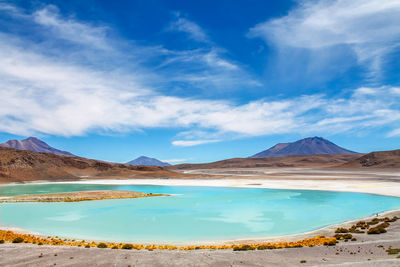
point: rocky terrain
(23, 165)
(299, 161)
(380, 159)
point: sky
(199, 81)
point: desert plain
(367, 250)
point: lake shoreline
(367, 250)
(77, 196)
(318, 255)
(378, 187)
(325, 231)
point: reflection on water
(191, 214)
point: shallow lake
(190, 214)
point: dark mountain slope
(307, 146)
(35, 145)
(148, 161)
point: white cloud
(365, 91)
(174, 161)
(225, 74)
(193, 142)
(63, 95)
(371, 29)
(70, 29)
(395, 90)
(8, 8)
(193, 30)
(394, 133)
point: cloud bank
(370, 29)
(61, 86)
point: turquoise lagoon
(190, 214)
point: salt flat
(383, 182)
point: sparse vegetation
(127, 246)
(341, 230)
(393, 251)
(242, 248)
(343, 233)
(56, 241)
(343, 236)
(102, 245)
(18, 240)
(379, 229)
(330, 243)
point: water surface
(191, 214)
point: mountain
(24, 165)
(295, 161)
(380, 159)
(307, 146)
(35, 145)
(148, 161)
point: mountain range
(148, 161)
(35, 145)
(306, 146)
(21, 165)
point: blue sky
(198, 81)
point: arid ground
(360, 175)
(367, 250)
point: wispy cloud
(394, 133)
(70, 29)
(208, 65)
(174, 161)
(371, 29)
(187, 26)
(193, 142)
(65, 91)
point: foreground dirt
(76, 196)
(367, 250)
(366, 253)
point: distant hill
(35, 145)
(24, 165)
(380, 159)
(294, 161)
(148, 161)
(307, 146)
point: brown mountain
(306, 146)
(380, 159)
(24, 165)
(35, 145)
(297, 161)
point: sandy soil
(76, 196)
